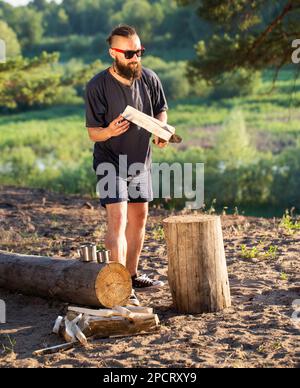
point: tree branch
(288, 8)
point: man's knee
(139, 218)
(114, 240)
(117, 218)
(116, 231)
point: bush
(25, 82)
(42, 81)
(233, 148)
(285, 189)
(17, 165)
(240, 83)
(78, 46)
(13, 48)
(172, 75)
(175, 84)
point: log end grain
(187, 219)
(113, 285)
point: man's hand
(118, 126)
(161, 143)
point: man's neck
(119, 77)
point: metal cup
(107, 256)
(103, 256)
(92, 252)
(99, 257)
(84, 253)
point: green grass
(289, 223)
(259, 252)
(276, 112)
(41, 148)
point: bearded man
(124, 83)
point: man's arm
(99, 134)
(115, 128)
(162, 116)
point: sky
(18, 2)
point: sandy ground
(257, 331)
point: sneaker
(133, 300)
(143, 283)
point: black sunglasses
(130, 53)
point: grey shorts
(132, 189)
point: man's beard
(131, 71)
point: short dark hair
(121, 30)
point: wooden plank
(151, 124)
(103, 313)
(140, 309)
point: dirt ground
(257, 331)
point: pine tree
(251, 34)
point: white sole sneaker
(154, 288)
(133, 300)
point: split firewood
(124, 312)
(57, 325)
(67, 331)
(70, 330)
(107, 327)
(140, 309)
(88, 205)
(82, 323)
(80, 336)
(151, 124)
(102, 313)
(53, 349)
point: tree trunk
(90, 284)
(197, 266)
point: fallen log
(90, 284)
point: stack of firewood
(81, 323)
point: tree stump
(70, 280)
(197, 268)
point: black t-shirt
(106, 98)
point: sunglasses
(130, 53)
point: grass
(259, 252)
(158, 233)
(284, 276)
(9, 345)
(289, 223)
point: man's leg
(137, 214)
(115, 239)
